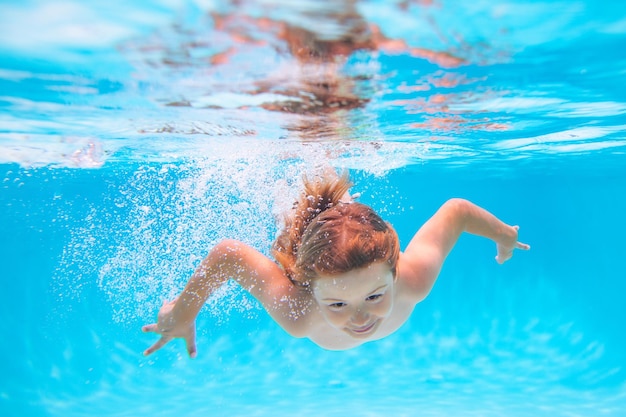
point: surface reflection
(316, 63)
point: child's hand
(169, 328)
(505, 249)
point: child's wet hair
(325, 235)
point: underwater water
(135, 136)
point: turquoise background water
(110, 197)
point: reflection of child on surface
(342, 280)
(317, 84)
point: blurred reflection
(316, 86)
(306, 47)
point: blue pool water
(133, 137)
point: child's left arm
(423, 258)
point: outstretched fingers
(148, 328)
(157, 345)
(191, 346)
(169, 328)
(506, 252)
(503, 257)
(520, 245)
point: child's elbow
(458, 209)
(227, 244)
(457, 204)
(226, 249)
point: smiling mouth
(364, 329)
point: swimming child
(340, 279)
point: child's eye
(336, 306)
(374, 297)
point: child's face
(357, 301)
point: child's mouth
(364, 329)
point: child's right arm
(255, 272)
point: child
(342, 280)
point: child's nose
(360, 317)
